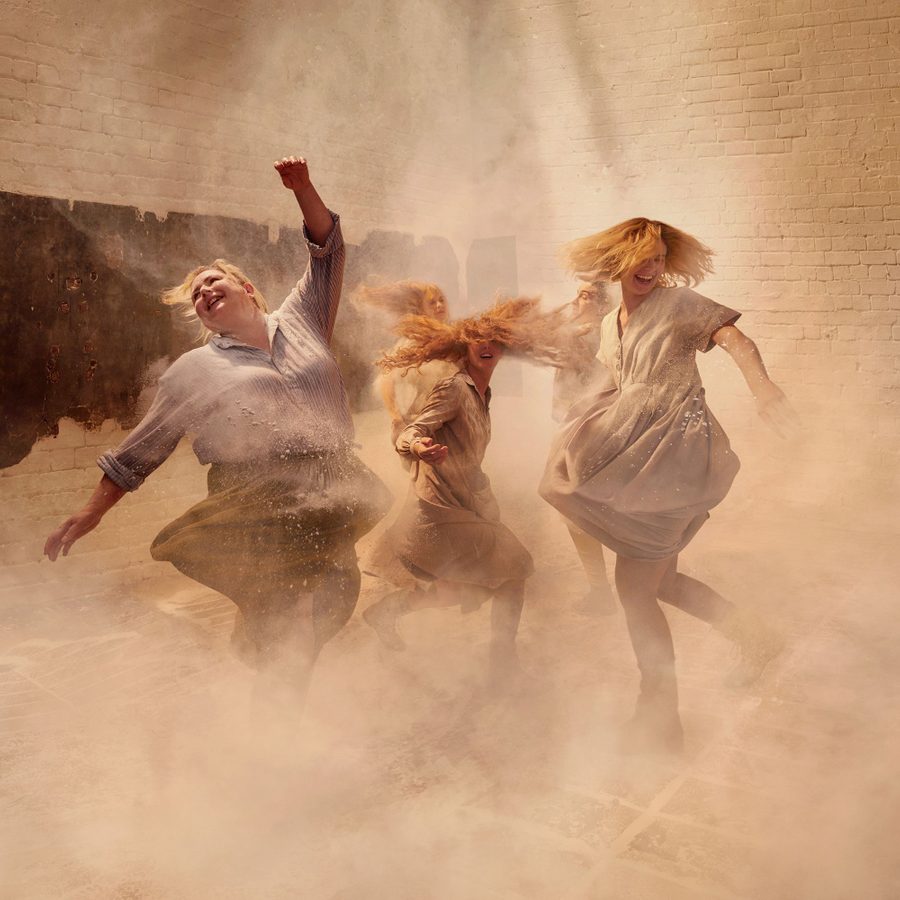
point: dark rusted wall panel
(82, 331)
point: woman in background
(639, 467)
(403, 392)
(580, 373)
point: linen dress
(450, 528)
(412, 387)
(287, 496)
(639, 465)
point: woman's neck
(632, 301)
(254, 332)
(482, 380)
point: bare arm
(318, 293)
(106, 495)
(294, 174)
(771, 404)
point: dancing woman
(640, 466)
(580, 372)
(579, 324)
(449, 547)
(403, 391)
(264, 401)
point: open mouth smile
(644, 279)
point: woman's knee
(638, 581)
(669, 583)
(513, 589)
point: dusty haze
(769, 131)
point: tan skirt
(271, 532)
(428, 542)
(637, 473)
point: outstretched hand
(294, 173)
(71, 530)
(774, 409)
(428, 451)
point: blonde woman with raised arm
(264, 402)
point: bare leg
(383, 615)
(599, 599)
(759, 644)
(693, 597)
(656, 724)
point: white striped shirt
(242, 404)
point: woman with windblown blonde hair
(449, 535)
(639, 466)
(264, 402)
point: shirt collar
(224, 341)
(468, 380)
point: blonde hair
(610, 254)
(180, 295)
(516, 324)
(400, 298)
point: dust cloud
(133, 765)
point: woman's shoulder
(682, 294)
(442, 369)
(451, 388)
(191, 364)
(453, 381)
(682, 301)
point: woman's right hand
(428, 451)
(106, 495)
(294, 173)
(71, 530)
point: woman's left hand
(773, 408)
(294, 173)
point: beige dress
(412, 387)
(639, 465)
(450, 528)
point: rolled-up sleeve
(441, 406)
(317, 294)
(152, 441)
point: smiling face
(641, 279)
(482, 357)
(220, 301)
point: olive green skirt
(269, 534)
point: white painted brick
(764, 160)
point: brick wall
(184, 105)
(54, 481)
(769, 130)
